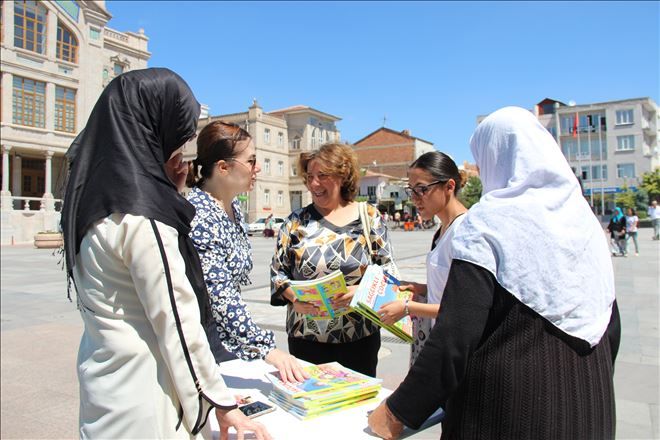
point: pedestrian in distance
(528, 329)
(617, 230)
(226, 166)
(631, 229)
(654, 215)
(145, 368)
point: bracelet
(406, 312)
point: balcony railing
(34, 203)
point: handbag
(365, 220)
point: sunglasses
(421, 190)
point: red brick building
(390, 152)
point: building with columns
(56, 58)
(279, 137)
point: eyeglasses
(309, 178)
(421, 190)
(251, 163)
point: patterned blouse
(309, 247)
(226, 255)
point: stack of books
(377, 288)
(330, 387)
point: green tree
(625, 199)
(471, 192)
(651, 184)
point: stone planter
(48, 240)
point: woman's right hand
(241, 423)
(288, 366)
(418, 289)
(305, 308)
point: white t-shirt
(631, 223)
(438, 263)
(653, 212)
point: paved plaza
(41, 329)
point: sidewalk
(40, 331)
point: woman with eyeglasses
(318, 239)
(434, 182)
(528, 331)
(226, 166)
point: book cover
(323, 379)
(376, 288)
(321, 292)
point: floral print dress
(226, 256)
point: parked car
(258, 226)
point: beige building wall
(33, 156)
(279, 137)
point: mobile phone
(256, 409)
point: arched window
(67, 44)
(30, 26)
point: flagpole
(590, 173)
(602, 178)
(579, 150)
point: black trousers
(360, 355)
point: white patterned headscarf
(534, 230)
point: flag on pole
(575, 125)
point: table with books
(333, 405)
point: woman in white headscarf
(528, 329)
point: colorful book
(330, 387)
(321, 293)
(376, 288)
(323, 379)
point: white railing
(25, 202)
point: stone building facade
(56, 58)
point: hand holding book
(392, 311)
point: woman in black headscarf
(144, 364)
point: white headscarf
(534, 230)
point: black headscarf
(116, 164)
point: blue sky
(429, 67)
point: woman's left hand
(344, 299)
(392, 311)
(384, 424)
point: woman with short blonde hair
(322, 237)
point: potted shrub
(48, 240)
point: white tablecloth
(247, 378)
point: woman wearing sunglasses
(226, 166)
(434, 183)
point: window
(295, 145)
(267, 197)
(65, 109)
(624, 117)
(280, 198)
(585, 173)
(267, 166)
(30, 26)
(118, 69)
(294, 169)
(624, 170)
(267, 135)
(280, 139)
(29, 102)
(599, 172)
(371, 191)
(67, 44)
(280, 168)
(625, 143)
